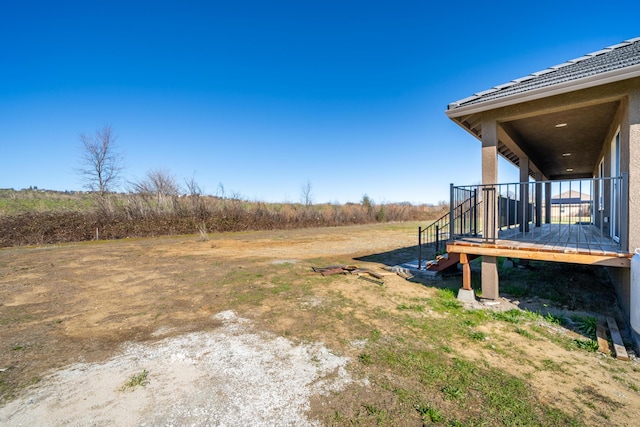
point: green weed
(586, 325)
(452, 392)
(365, 359)
(428, 413)
(136, 380)
(477, 335)
(589, 345)
(556, 320)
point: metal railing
(575, 211)
(437, 233)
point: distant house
(572, 206)
(573, 131)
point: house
(572, 206)
(572, 130)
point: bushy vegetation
(36, 217)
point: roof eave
(545, 92)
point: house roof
(561, 138)
(610, 59)
(570, 197)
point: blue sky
(265, 96)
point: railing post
(452, 217)
(437, 238)
(419, 248)
(475, 212)
(623, 221)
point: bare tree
(159, 183)
(101, 162)
(198, 204)
(306, 194)
(192, 186)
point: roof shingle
(612, 58)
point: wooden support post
(466, 272)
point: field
(237, 329)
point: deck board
(581, 243)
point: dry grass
(427, 359)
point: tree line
(158, 205)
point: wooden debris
(334, 269)
(331, 271)
(367, 271)
(618, 345)
(601, 335)
(353, 269)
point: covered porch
(578, 221)
(577, 122)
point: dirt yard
(238, 330)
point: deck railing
(518, 211)
(436, 234)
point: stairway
(442, 262)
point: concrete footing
(466, 295)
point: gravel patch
(231, 376)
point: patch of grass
(365, 359)
(411, 307)
(586, 325)
(135, 380)
(556, 320)
(470, 322)
(505, 399)
(477, 335)
(589, 345)
(525, 333)
(280, 288)
(380, 415)
(429, 414)
(512, 316)
(17, 314)
(589, 393)
(445, 300)
(452, 392)
(550, 365)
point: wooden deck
(573, 243)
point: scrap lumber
(362, 273)
(334, 269)
(601, 335)
(618, 345)
(331, 271)
(367, 271)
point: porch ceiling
(547, 145)
(564, 144)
